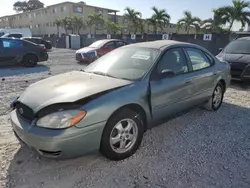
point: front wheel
(215, 101)
(122, 135)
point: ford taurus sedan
(98, 49)
(110, 104)
(237, 54)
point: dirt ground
(198, 149)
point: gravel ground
(199, 149)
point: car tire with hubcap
(29, 60)
(215, 101)
(122, 135)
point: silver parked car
(110, 104)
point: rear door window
(12, 44)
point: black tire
(210, 103)
(30, 60)
(106, 146)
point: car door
(12, 50)
(203, 72)
(120, 44)
(108, 47)
(173, 94)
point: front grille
(237, 69)
(25, 112)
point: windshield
(125, 63)
(238, 47)
(97, 44)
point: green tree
(214, 24)
(89, 24)
(112, 27)
(132, 16)
(237, 12)
(189, 22)
(58, 25)
(77, 24)
(97, 20)
(65, 24)
(159, 18)
(24, 6)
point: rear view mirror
(167, 73)
(220, 49)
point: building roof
(158, 44)
(66, 2)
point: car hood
(86, 49)
(67, 87)
(235, 58)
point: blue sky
(175, 8)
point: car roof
(243, 38)
(158, 44)
(108, 40)
(31, 38)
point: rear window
(238, 47)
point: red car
(97, 49)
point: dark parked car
(237, 54)
(38, 40)
(98, 49)
(110, 104)
(17, 51)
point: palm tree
(214, 24)
(237, 12)
(154, 23)
(132, 16)
(89, 25)
(64, 24)
(96, 20)
(159, 18)
(77, 24)
(189, 22)
(58, 25)
(112, 27)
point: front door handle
(214, 73)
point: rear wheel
(30, 60)
(122, 135)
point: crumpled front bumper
(60, 144)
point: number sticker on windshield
(138, 56)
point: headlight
(61, 119)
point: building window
(47, 24)
(77, 9)
(63, 9)
(54, 10)
(54, 24)
(46, 12)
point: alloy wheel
(123, 136)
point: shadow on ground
(17, 70)
(198, 149)
(240, 85)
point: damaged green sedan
(109, 105)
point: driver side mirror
(167, 73)
(220, 49)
